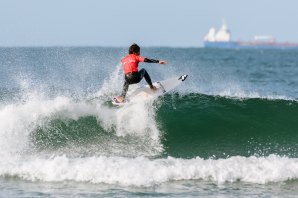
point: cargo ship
(222, 39)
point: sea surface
(229, 130)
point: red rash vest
(131, 63)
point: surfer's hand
(162, 62)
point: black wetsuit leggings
(133, 78)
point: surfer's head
(134, 49)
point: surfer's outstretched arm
(149, 60)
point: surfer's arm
(148, 60)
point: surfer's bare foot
(119, 98)
(153, 88)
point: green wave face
(86, 137)
(208, 126)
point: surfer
(132, 75)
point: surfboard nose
(183, 77)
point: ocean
(229, 130)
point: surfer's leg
(125, 89)
(144, 73)
(128, 79)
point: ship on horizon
(222, 39)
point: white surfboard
(145, 92)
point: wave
(202, 125)
(176, 125)
(176, 138)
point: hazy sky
(148, 23)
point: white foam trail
(136, 118)
(238, 93)
(135, 121)
(142, 171)
(230, 90)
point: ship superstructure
(223, 39)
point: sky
(118, 23)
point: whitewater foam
(19, 121)
(36, 111)
(142, 171)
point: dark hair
(134, 48)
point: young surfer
(132, 75)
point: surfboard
(145, 92)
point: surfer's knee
(142, 71)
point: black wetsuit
(136, 77)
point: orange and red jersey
(131, 63)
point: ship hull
(249, 45)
